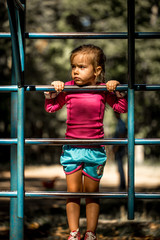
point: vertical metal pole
(20, 152)
(130, 154)
(131, 81)
(17, 166)
(20, 145)
(16, 223)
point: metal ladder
(16, 14)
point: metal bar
(9, 88)
(68, 88)
(131, 81)
(21, 43)
(10, 194)
(109, 195)
(19, 5)
(20, 152)
(111, 35)
(147, 35)
(62, 195)
(43, 88)
(14, 38)
(16, 224)
(14, 220)
(131, 154)
(82, 35)
(147, 141)
(63, 141)
(77, 35)
(131, 43)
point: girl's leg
(74, 184)
(92, 204)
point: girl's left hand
(111, 85)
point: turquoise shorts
(90, 160)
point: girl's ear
(98, 71)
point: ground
(45, 219)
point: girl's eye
(82, 67)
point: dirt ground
(45, 219)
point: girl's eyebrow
(79, 64)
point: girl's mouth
(77, 78)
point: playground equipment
(17, 193)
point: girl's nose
(76, 70)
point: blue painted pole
(20, 128)
(20, 152)
(16, 232)
(16, 224)
(131, 81)
(131, 154)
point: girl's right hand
(58, 86)
(111, 85)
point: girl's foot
(75, 235)
(90, 236)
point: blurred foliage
(48, 60)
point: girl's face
(83, 72)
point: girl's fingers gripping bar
(111, 85)
(58, 85)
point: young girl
(85, 113)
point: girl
(85, 113)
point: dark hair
(97, 56)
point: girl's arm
(117, 100)
(55, 101)
(58, 86)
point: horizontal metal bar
(147, 35)
(43, 88)
(77, 141)
(147, 195)
(8, 141)
(60, 194)
(9, 88)
(63, 141)
(147, 141)
(78, 35)
(68, 88)
(10, 194)
(76, 195)
(109, 195)
(85, 35)
(5, 35)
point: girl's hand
(111, 85)
(50, 95)
(58, 85)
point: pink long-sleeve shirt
(85, 111)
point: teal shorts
(90, 160)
